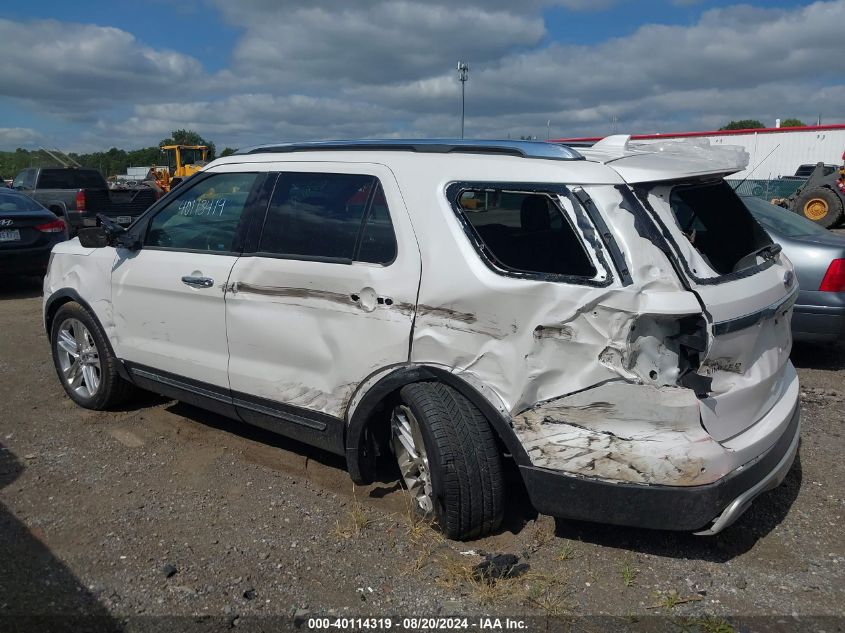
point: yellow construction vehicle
(183, 161)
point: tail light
(80, 200)
(834, 278)
(56, 226)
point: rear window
(17, 203)
(70, 179)
(717, 224)
(525, 232)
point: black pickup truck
(77, 195)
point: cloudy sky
(90, 75)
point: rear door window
(335, 217)
(70, 179)
(525, 232)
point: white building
(774, 151)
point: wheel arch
(68, 295)
(360, 451)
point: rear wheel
(821, 205)
(84, 360)
(448, 459)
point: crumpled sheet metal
(624, 432)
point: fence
(767, 189)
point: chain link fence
(767, 189)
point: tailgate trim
(747, 320)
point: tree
(188, 137)
(743, 124)
(228, 151)
(792, 123)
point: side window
(204, 217)
(20, 180)
(25, 180)
(525, 232)
(329, 216)
(378, 241)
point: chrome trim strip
(745, 321)
(281, 415)
(181, 385)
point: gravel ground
(122, 520)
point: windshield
(781, 221)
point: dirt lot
(162, 509)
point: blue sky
(90, 75)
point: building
(774, 152)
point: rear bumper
(818, 323)
(26, 260)
(684, 508)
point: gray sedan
(819, 259)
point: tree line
(112, 162)
(754, 124)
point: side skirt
(310, 427)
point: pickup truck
(77, 195)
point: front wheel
(448, 459)
(84, 360)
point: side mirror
(93, 237)
(117, 235)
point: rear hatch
(746, 286)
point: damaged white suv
(613, 321)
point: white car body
(581, 381)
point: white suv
(612, 321)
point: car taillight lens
(834, 278)
(56, 226)
(80, 200)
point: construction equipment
(820, 199)
(180, 166)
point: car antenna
(739, 184)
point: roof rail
(524, 149)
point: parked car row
(28, 232)
(79, 195)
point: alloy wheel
(78, 357)
(409, 449)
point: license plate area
(10, 235)
(124, 219)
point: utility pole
(463, 76)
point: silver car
(819, 259)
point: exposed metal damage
(623, 432)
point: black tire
(112, 390)
(810, 203)
(464, 460)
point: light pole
(463, 75)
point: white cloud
(334, 69)
(71, 69)
(18, 137)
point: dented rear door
(748, 303)
(326, 297)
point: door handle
(198, 282)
